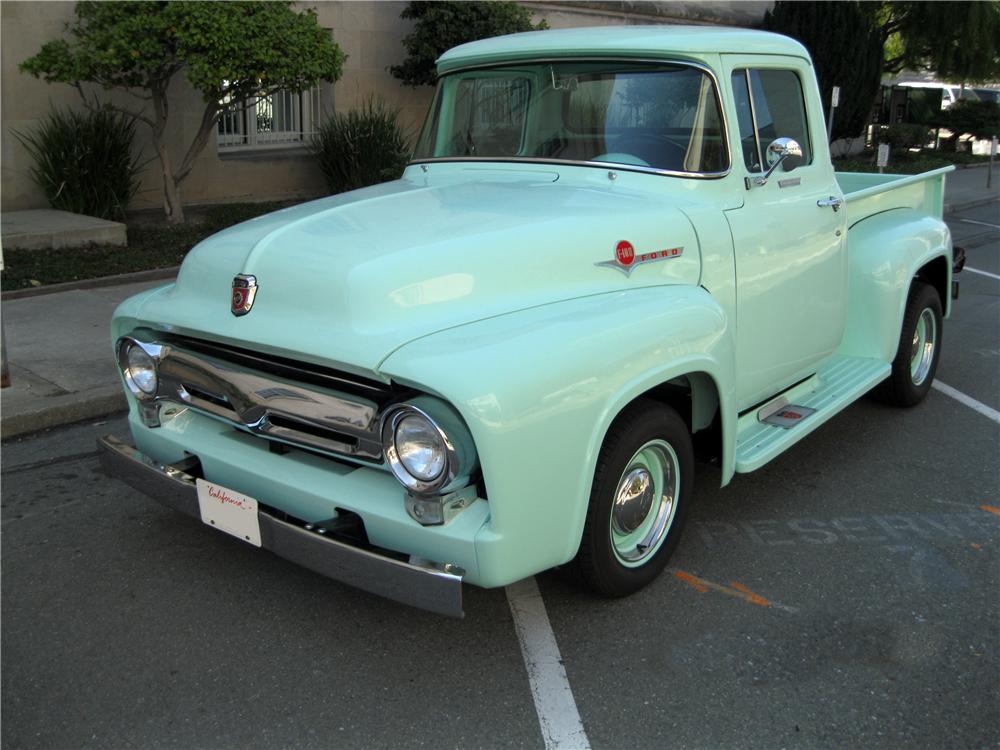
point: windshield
(642, 115)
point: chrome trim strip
(724, 125)
(297, 371)
(425, 585)
(567, 163)
(264, 404)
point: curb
(120, 279)
(951, 208)
(68, 408)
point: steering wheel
(621, 158)
(665, 154)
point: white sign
(229, 511)
(835, 96)
(883, 155)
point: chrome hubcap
(922, 353)
(633, 501)
(644, 503)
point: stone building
(264, 157)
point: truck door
(789, 235)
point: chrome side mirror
(779, 150)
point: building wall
(371, 34)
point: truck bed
(871, 193)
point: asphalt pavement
(845, 595)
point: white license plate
(229, 511)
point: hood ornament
(244, 291)
(626, 258)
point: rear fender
(885, 253)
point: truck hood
(349, 279)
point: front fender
(539, 389)
(885, 252)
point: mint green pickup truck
(614, 251)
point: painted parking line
(979, 406)
(981, 273)
(981, 223)
(558, 716)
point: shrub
(443, 24)
(971, 117)
(361, 147)
(83, 161)
(905, 135)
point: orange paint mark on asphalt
(734, 589)
(976, 546)
(990, 509)
(753, 598)
(690, 580)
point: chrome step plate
(788, 416)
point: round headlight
(417, 450)
(140, 370)
(420, 447)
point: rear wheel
(638, 502)
(919, 350)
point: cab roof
(619, 41)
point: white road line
(981, 273)
(554, 704)
(981, 223)
(982, 408)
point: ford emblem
(244, 291)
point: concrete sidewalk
(966, 188)
(59, 349)
(59, 352)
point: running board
(785, 420)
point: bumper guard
(418, 585)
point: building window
(279, 120)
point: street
(845, 595)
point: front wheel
(919, 349)
(639, 499)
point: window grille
(279, 120)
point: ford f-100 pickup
(614, 250)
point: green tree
(845, 42)
(959, 41)
(228, 51)
(443, 24)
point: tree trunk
(172, 206)
(209, 118)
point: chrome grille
(291, 406)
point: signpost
(993, 155)
(834, 101)
(4, 372)
(883, 157)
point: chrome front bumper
(421, 586)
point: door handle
(831, 202)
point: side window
(773, 107)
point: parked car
(950, 93)
(988, 95)
(615, 250)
